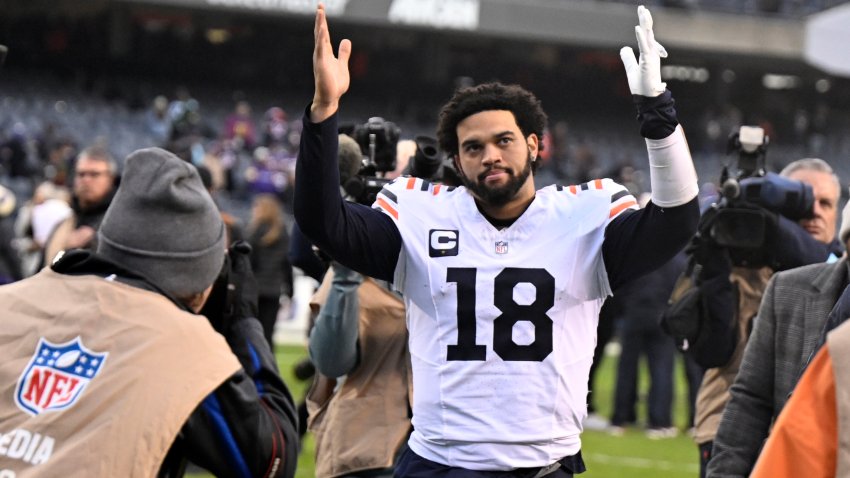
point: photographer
(112, 373)
(730, 283)
(791, 318)
(359, 403)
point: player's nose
(492, 154)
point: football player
(502, 283)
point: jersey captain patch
(56, 376)
(443, 242)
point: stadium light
(823, 85)
(217, 36)
(685, 73)
(780, 82)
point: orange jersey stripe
(573, 188)
(411, 183)
(616, 210)
(437, 189)
(386, 206)
(597, 183)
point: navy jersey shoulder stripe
(619, 195)
(389, 194)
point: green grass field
(632, 455)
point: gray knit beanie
(163, 224)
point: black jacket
(270, 263)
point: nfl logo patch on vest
(501, 247)
(56, 376)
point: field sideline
(632, 455)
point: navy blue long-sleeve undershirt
(367, 240)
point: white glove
(644, 76)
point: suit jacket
(789, 323)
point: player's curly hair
(487, 97)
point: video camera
(378, 141)
(744, 216)
(430, 163)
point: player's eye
(471, 148)
(505, 141)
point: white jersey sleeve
(621, 199)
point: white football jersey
(502, 322)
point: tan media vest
(161, 363)
(362, 424)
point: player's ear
(533, 143)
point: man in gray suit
(787, 329)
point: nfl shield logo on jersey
(501, 247)
(56, 376)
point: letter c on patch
(442, 242)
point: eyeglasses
(90, 174)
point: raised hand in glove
(234, 295)
(644, 74)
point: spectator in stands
(179, 105)
(270, 244)
(730, 298)
(95, 180)
(232, 224)
(239, 127)
(144, 380)
(59, 161)
(157, 120)
(10, 263)
(268, 173)
(793, 312)
(13, 153)
(275, 128)
(188, 129)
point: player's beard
(498, 195)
